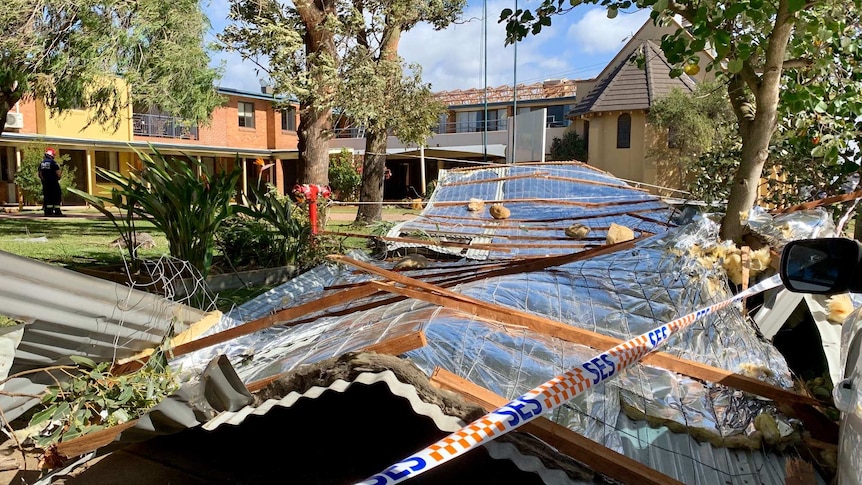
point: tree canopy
(66, 52)
(783, 61)
(294, 45)
(379, 93)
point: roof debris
(531, 296)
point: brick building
(249, 126)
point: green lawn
(70, 242)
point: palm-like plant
(293, 230)
(168, 192)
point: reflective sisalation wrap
(551, 394)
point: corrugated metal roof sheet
(544, 200)
(69, 313)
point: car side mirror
(822, 266)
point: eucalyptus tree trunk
(756, 132)
(315, 121)
(373, 166)
(374, 163)
(315, 128)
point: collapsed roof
(509, 324)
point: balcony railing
(160, 126)
(470, 126)
(455, 127)
(349, 132)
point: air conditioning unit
(14, 120)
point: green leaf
(795, 5)
(734, 66)
(612, 12)
(43, 416)
(660, 5)
(83, 361)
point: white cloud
(453, 58)
(595, 33)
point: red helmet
(50, 152)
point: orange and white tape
(550, 395)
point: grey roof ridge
(443, 421)
(615, 76)
(648, 52)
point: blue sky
(576, 46)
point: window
(5, 172)
(107, 161)
(496, 119)
(556, 116)
(288, 119)
(209, 164)
(246, 114)
(443, 123)
(624, 131)
(467, 121)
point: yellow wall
(100, 187)
(625, 163)
(72, 123)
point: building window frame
(624, 131)
(288, 119)
(245, 114)
(105, 160)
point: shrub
(570, 147)
(168, 192)
(290, 228)
(27, 178)
(344, 176)
(247, 242)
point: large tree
(66, 52)
(379, 95)
(295, 45)
(761, 46)
(701, 139)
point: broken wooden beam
(576, 203)
(92, 441)
(819, 203)
(441, 296)
(338, 298)
(599, 458)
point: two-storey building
(248, 127)
(474, 128)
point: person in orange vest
(49, 174)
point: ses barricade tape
(550, 395)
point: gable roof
(628, 87)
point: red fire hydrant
(310, 193)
